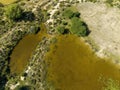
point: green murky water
(73, 66)
(22, 52)
(71, 63)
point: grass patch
(112, 85)
(7, 1)
(109, 83)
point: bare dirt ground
(104, 23)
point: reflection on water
(73, 66)
(24, 49)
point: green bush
(78, 27)
(61, 29)
(64, 22)
(1, 5)
(13, 12)
(68, 13)
(76, 14)
(109, 2)
(92, 1)
(112, 85)
(23, 88)
(1, 11)
(34, 29)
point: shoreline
(40, 50)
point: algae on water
(72, 65)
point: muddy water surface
(22, 52)
(73, 66)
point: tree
(68, 13)
(93, 1)
(111, 84)
(1, 11)
(110, 2)
(78, 27)
(23, 88)
(76, 14)
(34, 29)
(1, 5)
(13, 12)
(61, 29)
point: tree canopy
(60, 29)
(68, 13)
(78, 27)
(13, 12)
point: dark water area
(72, 65)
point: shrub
(1, 11)
(61, 29)
(111, 85)
(64, 22)
(78, 27)
(34, 29)
(1, 5)
(13, 12)
(76, 14)
(28, 16)
(109, 2)
(93, 1)
(23, 88)
(68, 13)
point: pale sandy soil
(104, 23)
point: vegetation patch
(109, 84)
(22, 87)
(61, 30)
(110, 2)
(71, 23)
(112, 85)
(13, 12)
(7, 1)
(78, 27)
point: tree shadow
(24, 87)
(1, 5)
(3, 81)
(66, 31)
(88, 31)
(28, 16)
(3, 78)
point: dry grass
(7, 1)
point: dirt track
(104, 23)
